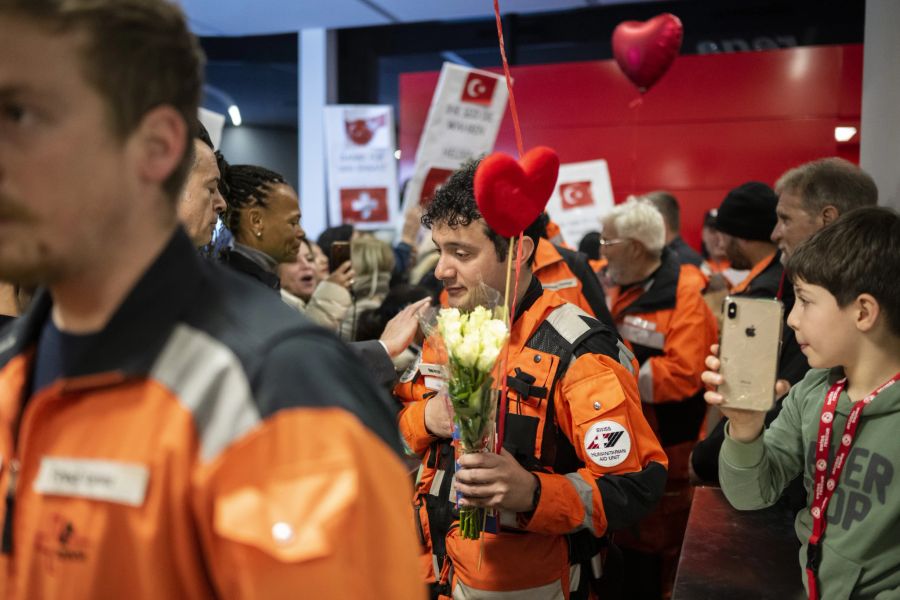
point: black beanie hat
(748, 212)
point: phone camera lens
(732, 310)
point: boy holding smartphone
(839, 425)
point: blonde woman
(373, 263)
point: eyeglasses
(605, 242)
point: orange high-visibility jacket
(569, 274)
(580, 428)
(211, 443)
(670, 328)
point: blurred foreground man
(167, 429)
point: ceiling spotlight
(844, 134)
(235, 114)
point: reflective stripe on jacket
(211, 444)
(670, 328)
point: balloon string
(520, 147)
(512, 310)
(635, 106)
(501, 429)
(501, 410)
(512, 97)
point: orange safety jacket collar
(129, 343)
(757, 270)
(657, 292)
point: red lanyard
(824, 487)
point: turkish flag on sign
(479, 89)
(364, 205)
(576, 194)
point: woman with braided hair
(264, 218)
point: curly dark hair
(454, 205)
(247, 186)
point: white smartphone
(749, 345)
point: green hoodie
(861, 545)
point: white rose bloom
(477, 318)
(449, 314)
(487, 358)
(452, 342)
(449, 320)
(468, 350)
(452, 329)
(495, 331)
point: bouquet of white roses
(473, 342)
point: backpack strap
(569, 332)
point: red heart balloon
(510, 194)
(645, 50)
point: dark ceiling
(259, 73)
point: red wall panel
(711, 123)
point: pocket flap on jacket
(593, 396)
(293, 518)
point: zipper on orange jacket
(10, 506)
(15, 466)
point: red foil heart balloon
(645, 50)
(511, 194)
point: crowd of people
(199, 401)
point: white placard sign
(214, 123)
(362, 169)
(582, 196)
(463, 121)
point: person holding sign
(838, 426)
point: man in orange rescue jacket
(660, 312)
(167, 430)
(579, 459)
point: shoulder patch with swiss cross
(607, 443)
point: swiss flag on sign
(364, 205)
(479, 89)
(575, 194)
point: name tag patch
(430, 370)
(435, 375)
(562, 284)
(110, 481)
(435, 384)
(642, 332)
